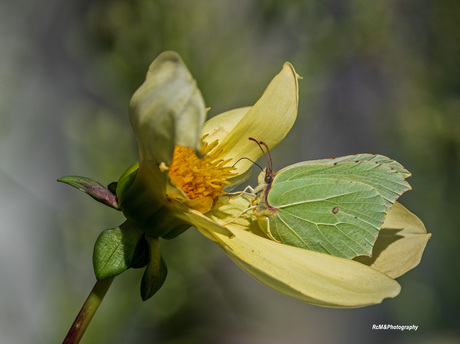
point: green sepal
(137, 200)
(164, 224)
(155, 272)
(113, 187)
(126, 180)
(176, 231)
(141, 254)
(97, 191)
(115, 250)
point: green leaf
(97, 191)
(333, 206)
(155, 272)
(115, 249)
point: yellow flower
(186, 165)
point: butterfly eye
(268, 178)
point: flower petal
(206, 226)
(400, 245)
(269, 120)
(218, 127)
(312, 277)
(309, 276)
(167, 109)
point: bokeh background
(378, 77)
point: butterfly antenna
(269, 155)
(265, 152)
(250, 161)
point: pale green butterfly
(334, 206)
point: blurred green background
(378, 77)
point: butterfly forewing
(387, 181)
(381, 159)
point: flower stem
(89, 308)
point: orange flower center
(201, 179)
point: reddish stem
(87, 312)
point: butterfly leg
(241, 193)
(241, 213)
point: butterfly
(334, 206)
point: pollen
(201, 179)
